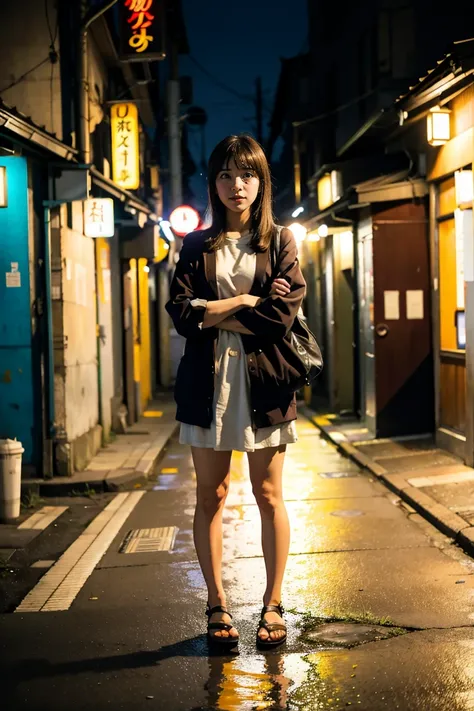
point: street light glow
(298, 211)
(323, 230)
(299, 232)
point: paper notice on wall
(13, 280)
(391, 305)
(13, 277)
(415, 308)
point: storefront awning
(16, 125)
(123, 195)
(392, 187)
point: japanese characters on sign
(99, 217)
(142, 30)
(125, 146)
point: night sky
(252, 36)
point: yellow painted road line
(42, 518)
(58, 588)
(152, 413)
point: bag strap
(275, 253)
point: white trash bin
(10, 478)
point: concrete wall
(79, 326)
(75, 341)
(106, 341)
(24, 43)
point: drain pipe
(51, 427)
(82, 82)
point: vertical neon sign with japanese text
(142, 30)
(125, 146)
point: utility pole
(174, 130)
(175, 199)
(258, 107)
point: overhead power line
(23, 76)
(356, 100)
(218, 82)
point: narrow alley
(379, 605)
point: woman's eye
(224, 175)
(248, 175)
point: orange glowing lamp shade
(184, 219)
(438, 126)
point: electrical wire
(297, 124)
(23, 76)
(218, 82)
(52, 37)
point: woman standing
(232, 298)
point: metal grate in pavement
(149, 540)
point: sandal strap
(219, 626)
(272, 626)
(273, 608)
(218, 608)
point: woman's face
(237, 187)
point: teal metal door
(17, 411)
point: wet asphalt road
(381, 608)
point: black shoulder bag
(301, 351)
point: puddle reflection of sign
(142, 30)
(99, 217)
(125, 146)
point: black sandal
(271, 627)
(228, 641)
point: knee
(268, 498)
(211, 499)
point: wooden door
(404, 388)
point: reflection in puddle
(255, 683)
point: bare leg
(213, 476)
(266, 468)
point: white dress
(231, 428)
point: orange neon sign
(142, 30)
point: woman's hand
(249, 301)
(280, 287)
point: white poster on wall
(391, 305)
(415, 308)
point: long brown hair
(246, 153)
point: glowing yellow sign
(125, 146)
(99, 217)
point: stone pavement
(128, 459)
(380, 605)
(434, 482)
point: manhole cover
(149, 540)
(349, 634)
(347, 513)
(338, 475)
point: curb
(440, 516)
(116, 480)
